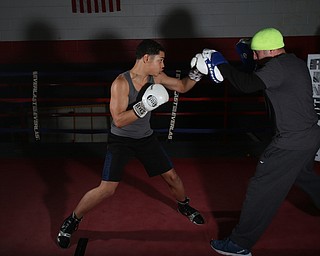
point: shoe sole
(229, 253)
(61, 244)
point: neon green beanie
(267, 39)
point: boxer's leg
(177, 189)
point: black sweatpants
(277, 170)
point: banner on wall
(95, 6)
(314, 69)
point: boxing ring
(50, 111)
(47, 109)
(72, 105)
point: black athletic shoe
(194, 216)
(69, 225)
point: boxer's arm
(180, 85)
(198, 69)
(119, 103)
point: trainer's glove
(198, 68)
(212, 59)
(246, 54)
(154, 96)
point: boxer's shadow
(148, 189)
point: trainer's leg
(177, 190)
(309, 181)
(275, 174)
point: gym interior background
(58, 59)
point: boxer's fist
(198, 68)
(198, 62)
(154, 96)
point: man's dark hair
(148, 46)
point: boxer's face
(156, 63)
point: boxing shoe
(69, 225)
(194, 215)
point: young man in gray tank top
(132, 136)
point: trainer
(289, 158)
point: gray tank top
(139, 128)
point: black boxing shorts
(147, 150)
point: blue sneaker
(227, 247)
